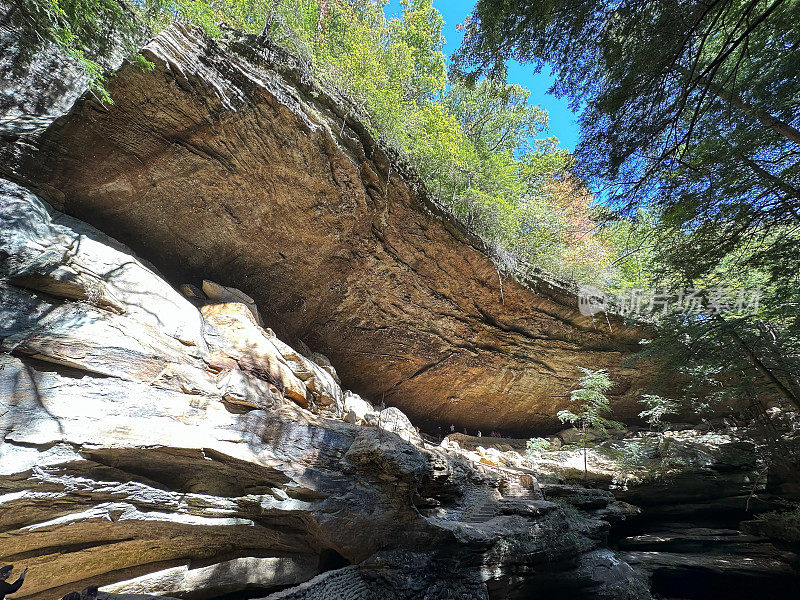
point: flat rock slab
(717, 563)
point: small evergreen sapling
(592, 405)
(657, 409)
(536, 445)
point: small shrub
(657, 409)
(592, 405)
(536, 445)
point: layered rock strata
(697, 531)
(151, 446)
(225, 162)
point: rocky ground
(692, 507)
(168, 444)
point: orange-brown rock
(225, 163)
(231, 329)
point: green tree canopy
(690, 115)
(693, 106)
(496, 115)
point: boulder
(237, 387)
(323, 387)
(299, 364)
(231, 329)
(359, 408)
(193, 293)
(394, 420)
(220, 294)
(46, 251)
(612, 577)
(321, 359)
(576, 436)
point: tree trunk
(783, 391)
(780, 127)
(585, 462)
(585, 465)
(268, 23)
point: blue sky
(563, 123)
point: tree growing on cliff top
(691, 106)
(694, 105)
(478, 148)
(592, 406)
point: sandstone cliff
(173, 443)
(151, 446)
(228, 163)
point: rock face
(172, 444)
(696, 494)
(38, 85)
(228, 164)
(153, 447)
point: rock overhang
(227, 162)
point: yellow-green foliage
(476, 146)
(435, 140)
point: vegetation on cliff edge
(481, 149)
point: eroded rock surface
(153, 447)
(40, 84)
(226, 163)
(695, 495)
